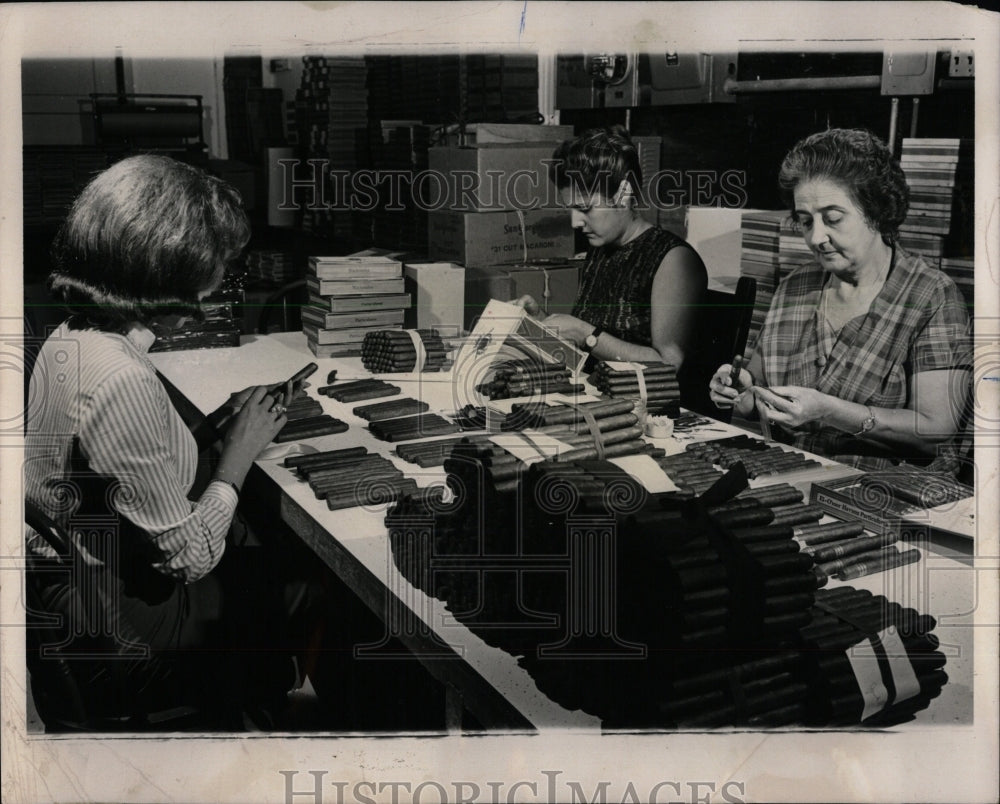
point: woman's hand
(531, 307)
(569, 327)
(792, 405)
(721, 390)
(259, 420)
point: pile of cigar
(916, 486)
(853, 623)
(307, 420)
(389, 350)
(660, 382)
(713, 611)
(517, 378)
(350, 477)
(358, 390)
(758, 457)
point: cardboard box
(509, 282)
(491, 177)
(483, 133)
(438, 291)
(494, 238)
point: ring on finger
(279, 409)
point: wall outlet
(961, 64)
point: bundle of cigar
(516, 378)
(307, 420)
(659, 380)
(407, 428)
(428, 453)
(389, 350)
(504, 469)
(358, 390)
(916, 486)
(858, 644)
(302, 407)
(767, 691)
(759, 458)
(350, 477)
(379, 411)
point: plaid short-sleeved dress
(918, 322)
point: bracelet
(228, 483)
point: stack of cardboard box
(498, 214)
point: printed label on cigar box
(647, 471)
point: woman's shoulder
(93, 356)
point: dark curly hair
(598, 161)
(861, 163)
(145, 238)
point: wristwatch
(591, 340)
(868, 424)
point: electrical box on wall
(908, 73)
(615, 80)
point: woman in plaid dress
(865, 355)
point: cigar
(325, 428)
(851, 546)
(294, 461)
(373, 496)
(765, 533)
(797, 514)
(829, 532)
(835, 566)
(390, 410)
(878, 565)
(772, 548)
(745, 518)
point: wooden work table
(486, 680)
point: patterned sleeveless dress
(616, 285)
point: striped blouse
(96, 408)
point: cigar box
(508, 282)
(882, 511)
(494, 238)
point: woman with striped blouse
(108, 457)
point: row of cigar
(387, 351)
(659, 383)
(916, 486)
(393, 409)
(350, 477)
(759, 458)
(307, 420)
(517, 378)
(841, 550)
(358, 390)
(846, 618)
(408, 428)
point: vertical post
(893, 123)
(913, 117)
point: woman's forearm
(611, 348)
(894, 427)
